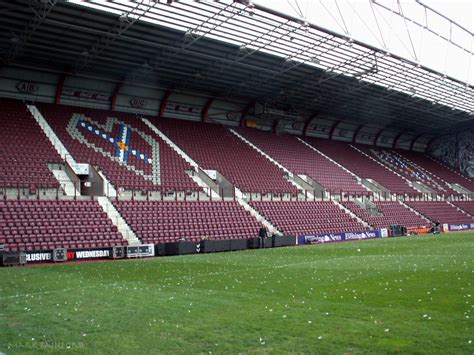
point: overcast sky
(356, 18)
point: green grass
(407, 295)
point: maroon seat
(214, 147)
(25, 150)
(441, 211)
(52, 233)
(172, 166)
(299, 218)
(161, 221)
(356, 159)
(391, 212)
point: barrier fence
(85, 189)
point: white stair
(358, 179)
(118, 221)
(290, 174)
(201, 183)
(53, 138)
(109, 189)
(61, 149)
(270, 227)
(459, 209)
(350, 213)
(66, 184)
(381, 164)
(170, 143)
(413, 210)
(195, 177)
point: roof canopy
(233, 49)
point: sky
(356, 19)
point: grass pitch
(411, 294)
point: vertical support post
(59, 89)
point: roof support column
(396, 139)
(164, 101)
(245, 112)
(377, 136)
(308, 122)
(205, 110)
(356, 133)
(333, 128)
(412, 144)
(59, 89)
(275, 125)
(431, 141)
(113, 101)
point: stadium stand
(302, 160)
(25, 150)
(163, 222)
(409, 170)
(389, 212)
(467, 206)
(298, 218)
(361, 165)
(440, 211)
(166, 163)
(45, 225)
(439, 169)
(214, 147)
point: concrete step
(66, 184)
(118, 221)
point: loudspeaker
(118, 252)
(60, 254)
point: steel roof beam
(41, 10)
(122, 24)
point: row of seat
(302, 160)
(198, 219)
(47, 227)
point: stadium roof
(233, 49)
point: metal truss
(210, 23)
(41, 9)
(124, 22)
(426, 26)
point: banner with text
(339, 237)
(461, 227)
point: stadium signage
(233, 115)
(361, 235)
(338, 237)
(89, 254)
(181, 108)
(35, 257)
(144, 250)
(461, 227)
(138, 102)
(86, 95)
(27, 87)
